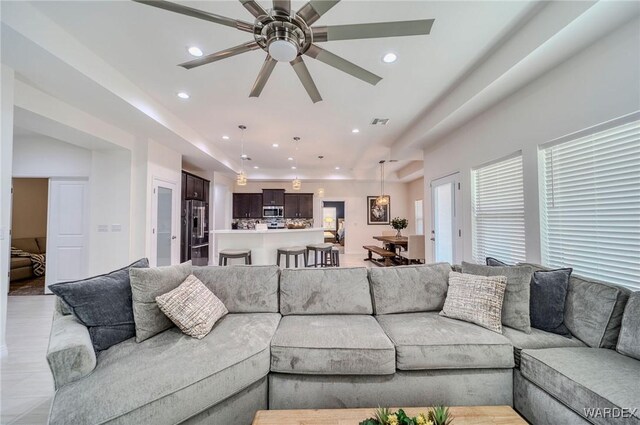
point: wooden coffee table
(468, 415)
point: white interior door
(165, 247)
(446, 232)
(67, 231)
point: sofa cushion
(17, 262)
(537, 339)
(629, 341)
(146, 285)
(429, 341)
(103, 304)
(407, 289)
(548, 296)
(243, 289)
(593, 310)
(515, 309)
(325, 291)
(584, 378)
(332, 345)
(42, 245)
(170, 377)
(26, 244)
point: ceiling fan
(287, 35)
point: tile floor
(26, 384)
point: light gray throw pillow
(475, 299)
(515, 310)
(146, 285)
(629, 339)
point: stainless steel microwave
(272, 212)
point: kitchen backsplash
(250, 223)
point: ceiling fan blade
(254, 8)
(263, 76)
(223, 54)
(313, 10)
(200, 14)
(342, 64)
(373, 30)
(284, 5)
(305, 78)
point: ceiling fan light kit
(287, 36)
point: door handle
(433, 235)
(173, 237)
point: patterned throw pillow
(476, 299)
(192, 307)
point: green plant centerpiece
(399, 224)
(438, 415)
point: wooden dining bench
(386, 255)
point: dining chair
(415, 249)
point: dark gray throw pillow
(494, 262)
(548, 296)
(103, 304)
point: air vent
(380, 121)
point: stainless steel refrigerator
(195, 233)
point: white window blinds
(498, 212)
(590, 218)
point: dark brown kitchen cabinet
(298, 205)
(247, 205)
(273, 197)
(195, 188)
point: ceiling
(145, 44)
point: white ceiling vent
(380, 121)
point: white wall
(109, 186)
(41, 156)
(354, 193)
(415, 192)
(596, 85)
(6, 160)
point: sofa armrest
(70, 353)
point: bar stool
(335, 257)
(295, 251)
(225, 254)
(324, 249)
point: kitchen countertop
(253, 232)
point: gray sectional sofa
(350, 337)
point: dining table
(393, 241)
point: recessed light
(243, 156)
(294, 167)
(289, 159)
(275, 145)
(183, 95)
(355, 130)
(225, 137)
(389, 58)
(337, 168)
(195, 51)
(256, 167)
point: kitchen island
(264, 244)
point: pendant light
(297, 184)
(382, 200)
(241, 178)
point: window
(498, 211)
(590, 206)
(419, 214)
